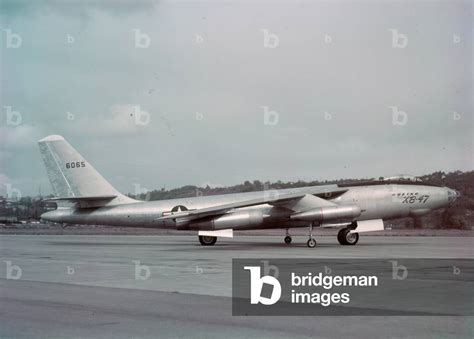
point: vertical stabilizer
(70, 175)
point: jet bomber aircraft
(353, 208)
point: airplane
(353, 208)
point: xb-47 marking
(422, 199)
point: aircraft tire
(206, 240)
(346, 238)
(288, 240)
(311, 243)
(341, 236)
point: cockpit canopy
(401, 177)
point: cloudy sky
(162, 94)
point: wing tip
(51, 138)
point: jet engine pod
(243, 219)
(347, 212)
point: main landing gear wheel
(311, 243)
(288, 240)
(346, 238)
(207, 240)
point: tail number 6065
(76, 164)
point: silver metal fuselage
(380, 201)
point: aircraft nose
(453, 195)
(457, 194)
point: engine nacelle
(347, 212)
(244, 219)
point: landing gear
(311, 242)
(287, 238)
(206, 240)
(346, 238)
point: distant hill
(459, 215)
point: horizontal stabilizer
(84, 202)
(78, 199)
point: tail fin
(71, 176)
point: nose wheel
(311, 243)
(288, 237)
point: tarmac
(87, 286)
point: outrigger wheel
(207, 240)
(345, 237)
